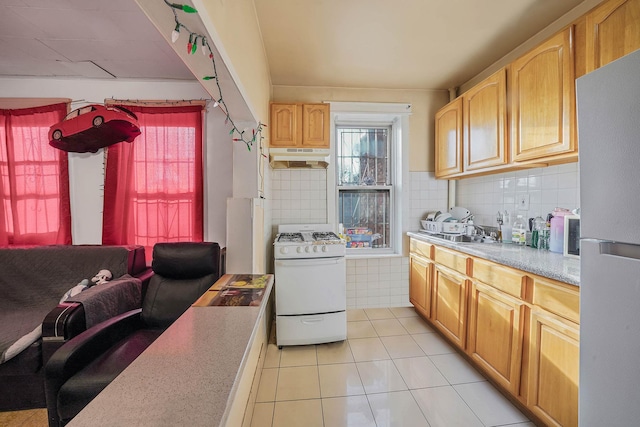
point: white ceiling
(400, 44)
(83, 38)
(408, 44)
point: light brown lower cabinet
(495, 334)
(450, 304)
(518, 328)
(553, 368)
(420, 284)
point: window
(365, 185)
(34, 179)
(366, 175)
(153, 186)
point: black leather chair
(86, 364)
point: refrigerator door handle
(623, 250)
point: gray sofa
(32, 282)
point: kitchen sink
(463, 238)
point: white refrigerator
(608, 103)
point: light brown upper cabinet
(542, 98)
(449, 139)
(613, 30)
(299, 125)
(484, 123)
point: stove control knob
(299, 249)
(307, 249)
(325, 249)
(315, 249)
(284, 250)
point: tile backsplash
(299, 196)
(546, 188)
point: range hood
(285, 158)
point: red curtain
(153, 186)
(34, 179)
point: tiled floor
(393, 370)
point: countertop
(543, 263)
(187, 377)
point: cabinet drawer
(557, 297)
(454, 260)
(419, 248)
(503, 278)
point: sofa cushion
(80, 389)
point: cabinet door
(315, 125)
(420, 284)
(450, 303)
(613, 30)
(485, 120)
(495, 334)
(543, 101)
(554, 357)
(449, 139)
(286, 125)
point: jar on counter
(519, 231)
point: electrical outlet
(523, 202)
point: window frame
(395, 116)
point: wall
(86, 171)
(300, 195)
(233, 25)
(424, 104)
(547, 188)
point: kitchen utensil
(460, 213)
(443, 216)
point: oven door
(310, 286)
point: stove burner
(325, 236)
(290, 237)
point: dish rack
(437, 227)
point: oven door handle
(309, 261)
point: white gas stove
(308, 241)
(310, 274)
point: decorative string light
(192, 46)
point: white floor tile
(300, 382)
(433, 344)
(403, 311)
(298, 355)
(401, 346)
(366, 349)
(335, 352)
(396, 409)
(388, 327)
(340, 380)
(380, 376)
(379, 313)
(444, 408)
(262, 415)
(361, 329)
(272, 357)
(489, 405)
(307, 413)
(420, 372)
(351, 411)
(455, 369)
(355, 314)
(267, 387)
(415, 325)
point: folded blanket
(102, 302)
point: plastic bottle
(537, 229)
(506, 228)
(519, 231)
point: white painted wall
(86, 171)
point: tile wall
(547, 188)
(298, 196)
